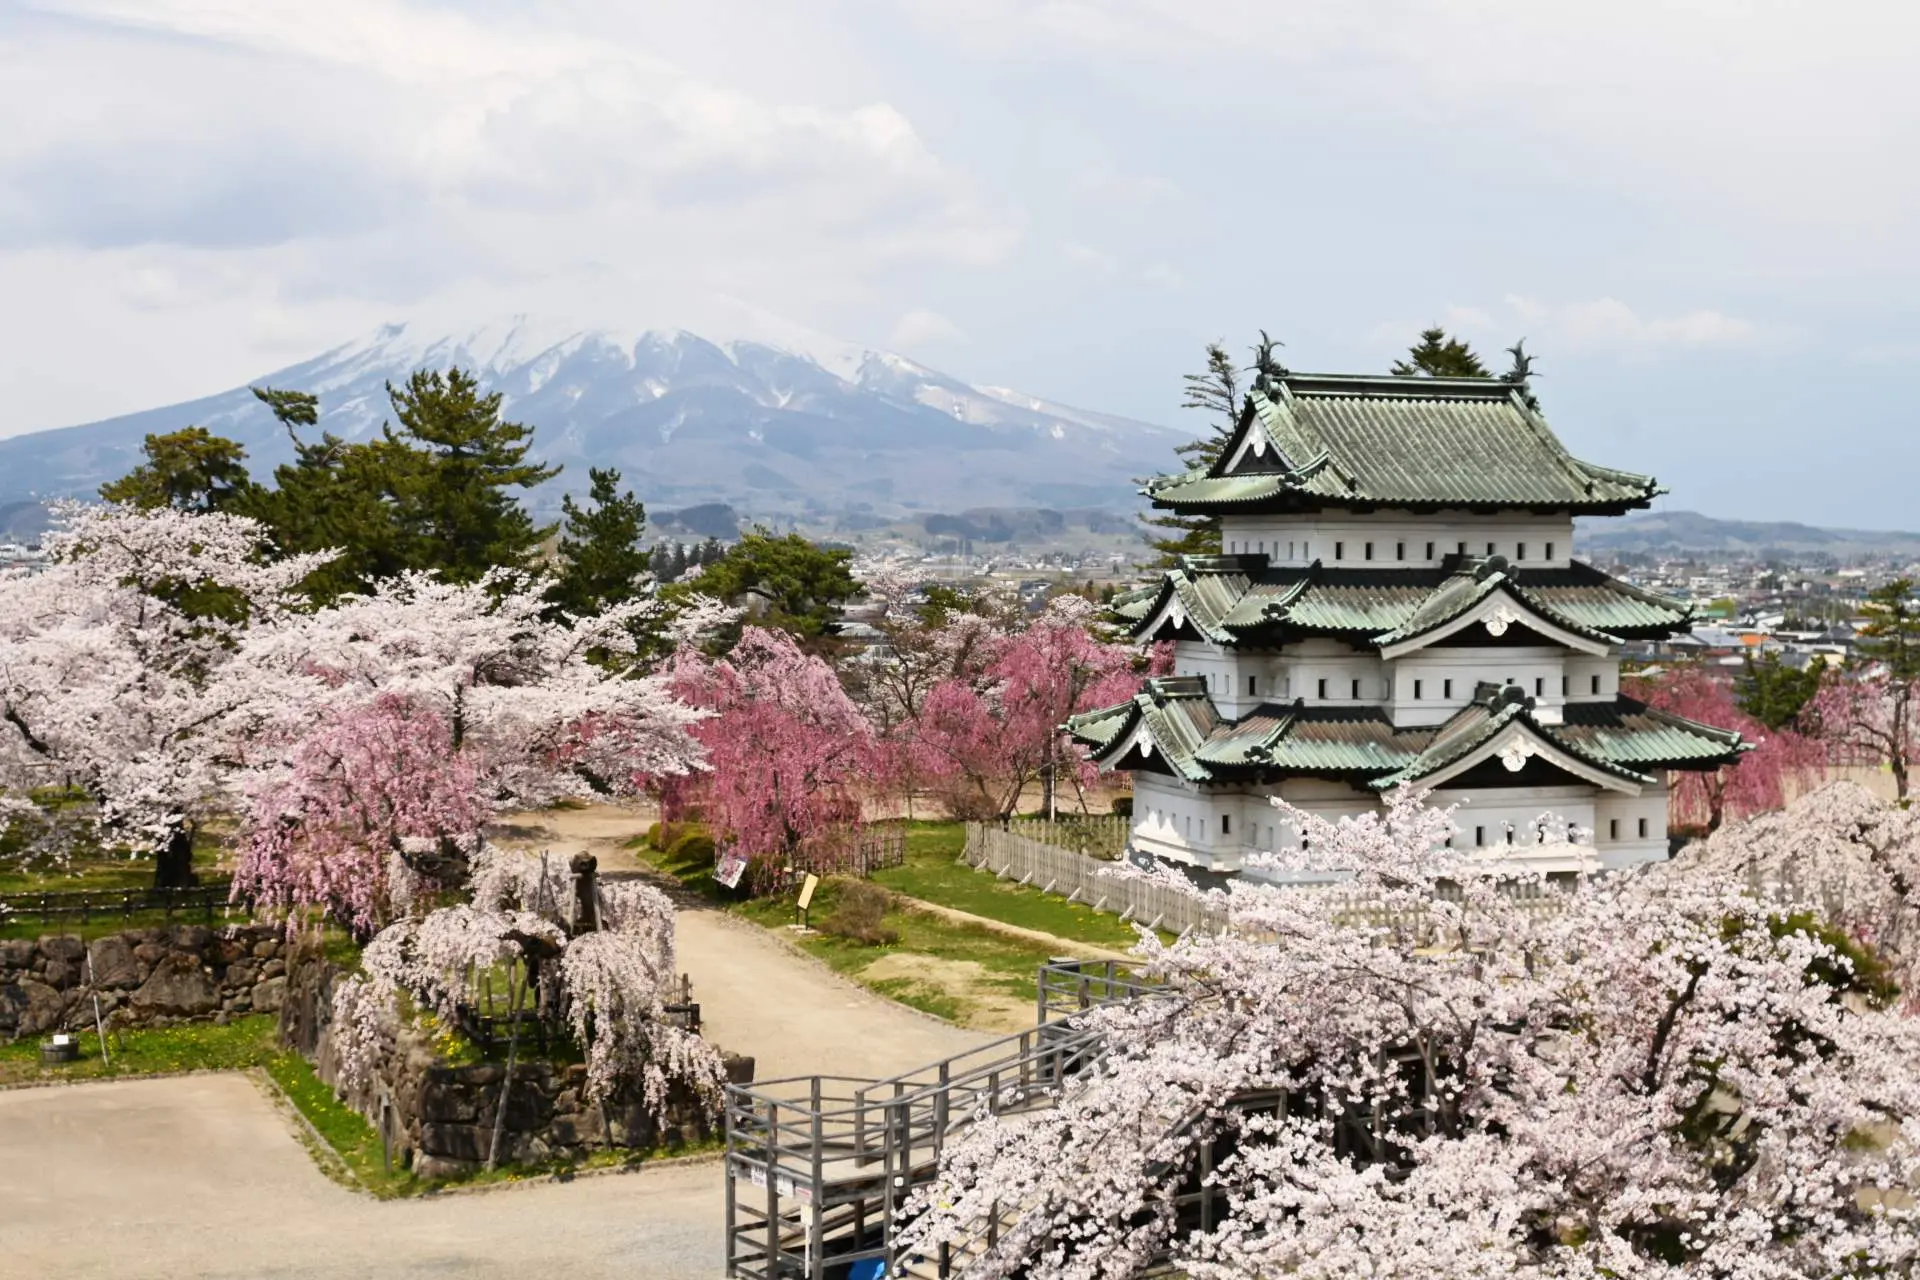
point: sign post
(807, 887)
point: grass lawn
(244, 1042)
(960, 972)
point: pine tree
(191, 469)
(1438, 355)
(1217, 392)
(455, 507)
(602, 561)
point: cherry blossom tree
(787, 751)
(117, 667)
(1759, 781)
(388, 728)
(1666, 1076)
(608, 986)
(1867, 718)
(992, 728)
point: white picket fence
(1078, 878)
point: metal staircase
(818, 1167)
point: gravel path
(201, 1176)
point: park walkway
(202, 1175)
(759, 997)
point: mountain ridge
(772, 427)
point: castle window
(1539, 687)
(1563, 686)
(1356, 691)
(1339, 551)
(1446, 688)
(1596, 684)
(1479, 837)
(1613, 828)
(1399, 551)
(1549, 551)
(1323, 690)
(1489, 548)
(1463, 548)
(1226, 824)
(1251, 685)
(1519, 551)
(1643, 828)
(1369, 551)
(1416, 689)
(1429, 551)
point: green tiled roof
(1410, 442)
(1624, 738)
(1236, 600)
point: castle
(1397, 603)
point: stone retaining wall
(144, 977)
(439, 1118)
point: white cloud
(921, 327)
(362, 157)
(1611, 323)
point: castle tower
(1397, 603)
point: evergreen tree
(1772, 692)
(1891, 635)
(1438, 355)
(602, 561)
(788, 582)
(335, 495)
(191, 470)
(454, 505)
(1217, 392)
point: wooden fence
(1079, 878)
(1101, 835)
(858, 852)
(86, 905)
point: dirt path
(758, 997)
(200, 1176)
(1061, 946)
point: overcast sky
(1701, 216)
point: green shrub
(691, 846)
(859, 908)
(1123, 806)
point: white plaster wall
(1399, 538)
(1174, 820)
(1295, 672)
(1581, 672)
(1537, 670)
(1486, 815)
(1617, 827)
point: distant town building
(1397, 603)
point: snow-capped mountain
(771, 424)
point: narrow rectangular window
(1251, 685)
(1549, 551)
(1463, 548)
(1323, 690)
(1356, 691)
(1519, 551)
(1643, 828)
(1446, 688)
(1509, 833)
(1339, 551)
(1489, 548)
(1226, 824)
(1613, 828)
(1369, 551)
(1399, 551)
(1479, 837)
(1596, 684)
(1289, 550)
(1563, 686)
(1416, 689)
(1429, 551)
(1539, 687)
